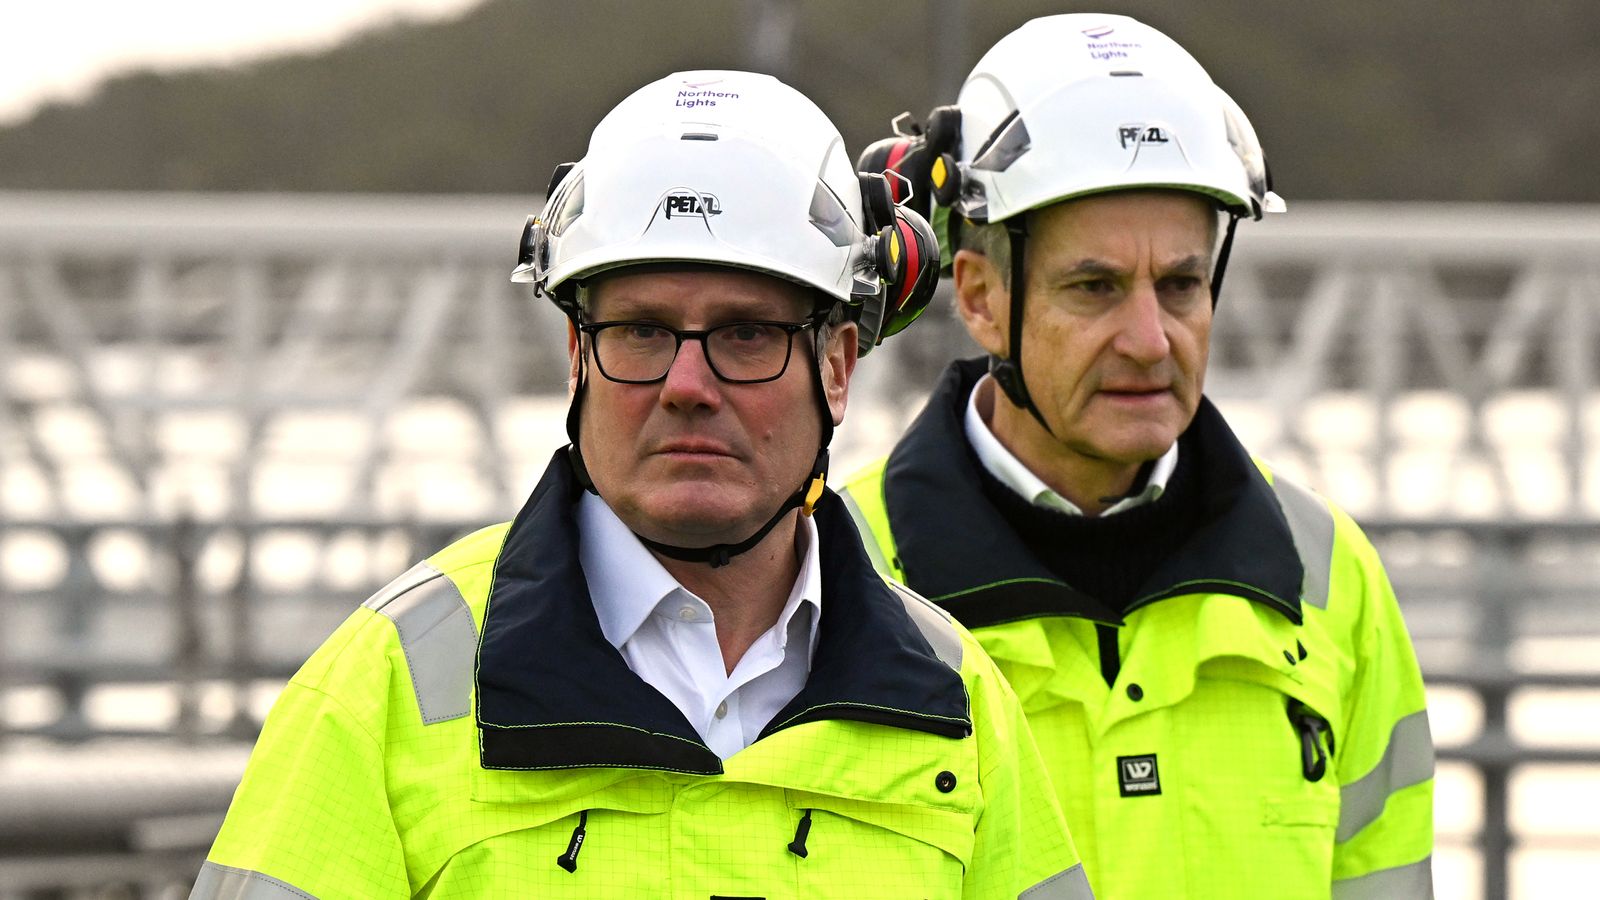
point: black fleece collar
(553, 693)
(959, 551)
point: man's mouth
(1136, 394)
(693, 448)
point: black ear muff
(877, 195)
(889, 155)
(944, 128)
(907, 156)
(946, 179)
(891, 258)
(917, 271)
(944, 134)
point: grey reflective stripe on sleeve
(1069, 885)
(1406, 761)
(934, 623)
(1311, 525)
(868, 539)
(1413, 882)
(438, 637)
(227, 883)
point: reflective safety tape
(864, 528)
(935, 625)
(1413, 882)
(1311, 526)
(1406, 761)
(227, 883)
(1069, 885)
(438, 637)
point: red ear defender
(910, 293)
(877, 196)
(891, 154)
(905, 259)
(924, 158)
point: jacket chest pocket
(855, 849)
(1263, 795)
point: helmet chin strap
(718, 555)
(1007, 372)
(1222, 259)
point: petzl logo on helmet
(1141, 134)
(692, 205)
(1138, 775)
(1098, 31)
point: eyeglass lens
(737, 351)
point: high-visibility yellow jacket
(1265, 731)
(470, 733)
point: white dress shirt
(668, 637)
(1011, 472)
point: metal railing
(224, 420)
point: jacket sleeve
(1385, 767)
(1022, 847)
(311, 817)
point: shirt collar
(1011, 472)
(628, 583)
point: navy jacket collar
(983, 574)
(553, 693)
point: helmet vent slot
(697, 136)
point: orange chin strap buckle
(813, 494)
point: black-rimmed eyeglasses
(738, 352)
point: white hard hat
(724, 168)
(1084, 103)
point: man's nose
(690, 381)
(1142, 333)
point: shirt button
(1135, 693)
(686, 614)
(722, 710)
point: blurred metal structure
(225, 420)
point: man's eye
(1183, 284)
(1095, 286)
(746, 332)
(642, 331)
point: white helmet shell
(717, 167)
(1084, 103)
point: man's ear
(983, 299)
(574, 355)
(838, 364)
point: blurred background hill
(1360, 100)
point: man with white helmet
(675, 673)
(1210, 655)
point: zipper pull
(798, 845)
(1313, 759)
(569, 859)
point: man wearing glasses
(675, 673)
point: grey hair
(992, 240)
(837, 315)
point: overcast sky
(59, 49)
